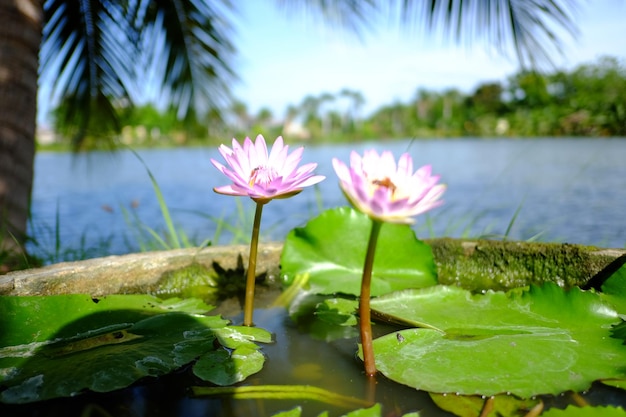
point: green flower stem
(283, 392)
(251, 277)
(364, 301)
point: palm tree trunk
(20, 39)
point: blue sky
(283, 58)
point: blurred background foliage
(590, 100)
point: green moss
(502, 265)
(194, 280)
(211, 283)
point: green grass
(237, 226)
(60, 251)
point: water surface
(566, 190)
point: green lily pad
(544, 340)
(40, 318)
(614, 290)
(222, 367)
(337, 311)
(325, 318)
(60, 346)
(332, 247)
(234, 337)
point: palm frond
(353, 15)
(533, 28)
(86, 55)
(96, 55)
(190, 42)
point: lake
(563, 190)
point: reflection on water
(568, 190)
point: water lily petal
(228, 190)
(388, 191)
(405, 165)
(305, 170)
(261, 150)
(275, 155)
(292, 161)
(263, 175)
(308, 181)
(388, 163)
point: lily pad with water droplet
(544, 340)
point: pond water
(566, 190)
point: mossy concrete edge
(472, 264)
(502, 265)
(131, 273)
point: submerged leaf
(294, 412)
(596, 411)
(541, 341)
(373, 411)
(331, 249)
(283, 392)
(473, 405)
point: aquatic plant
(262, 176)
(513, 346)
(387, 192)
(78, 342)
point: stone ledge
(473, 264)
(129, 273)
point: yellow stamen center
(387, 183)
(262, 175)
(253, 176)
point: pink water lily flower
(262, 176)
(377, 186)
(387, 192)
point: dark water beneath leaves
(295, 358)
(566, 190)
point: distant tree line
(587, 101)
